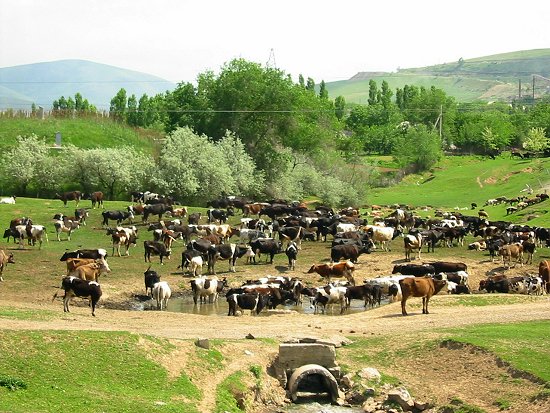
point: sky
(322, 39)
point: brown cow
(91, 272)
(252, 209)
(544, 273)
(69, 196)
(509, 251)
(4, 260)
(419, 287)
(97, 199)
(74, 263)
(341, 269)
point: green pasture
(456, 182)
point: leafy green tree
(536, 140)
(132, 111)
(418, 150)
(373, 92)
(117, 110)
(323, 92)
(340, 107)
(310, 85)
(301, 81)
(483, 131)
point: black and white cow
(218, 215)
(291, 252)
(76, 287)
(117, 216)
(266, 246)
(228, 252)
(204, 288)
(247, 301)
(96, 254)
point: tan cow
(91, 272)
(507, 252)
(4, 260)
(419, 287)
(73, 263)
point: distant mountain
(42, 83)
(489, 78)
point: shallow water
(315, 407)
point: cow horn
(148, 268)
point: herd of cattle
(289, 224)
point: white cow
(161, 293)
(9, 200)
(383, 235)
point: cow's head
(11, 259)
(312, 269)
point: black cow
(201, 245)
(418, 270)
(359, 292)
(156, 209)
(266, 246)
(151, 278)
(444, 266)
(155, 248)
(218, 215)
(248, 301)
(96, 254)
(117, 216)
(432, 237)
(76, 287)
(347, 252)
(292, 234)
(69, 196)
(194, 218)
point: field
(129, 348)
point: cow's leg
(66, 300)
(425, 305)
(403, 302)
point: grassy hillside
(483, 78)
(84, 133)
(459, 181)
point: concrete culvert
(312, 378)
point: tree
(117, 110)
(418, 149)
(340, 107)
(536, 140)
(323, 92)
(373, 92)
(21, 162)
(132, 112)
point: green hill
(487, 78)
(42, 83)
(81, 132)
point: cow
(419, 287)
(360, 292)
(347, 252)
(31, 232)
(155, 248)
(458, 277)
(383, 235)
(496, 283)
(67, 226)
(389, 285)
(291, 234)
(246, 301)
(179, 212)
(69, 196)
(80, 215)
(8, 200)
(228, 252)
(544, 274)
(121, 237)
(136, 196)
(291, 252)
(96, 254)
(529, 249)
(4, 260)
(218, 215)
(252, 209)
(117, 216)
(161, 294)
(194, 218)
(97, 199)
(329, 295)
(341, 269)
(151, 277)
(447, 266)
(156, 209)
(73, 263)
(195, 265)
(509, 252)
(266, 246)
(204, 288)
(91, 272)
(418, 270)
(412, 242)
(246, 234)
(76, 287)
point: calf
(74, 263)
(155, 248)
(246, 301)
(161, 294)
(76, 287)
(419, 287)
(151, 278)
